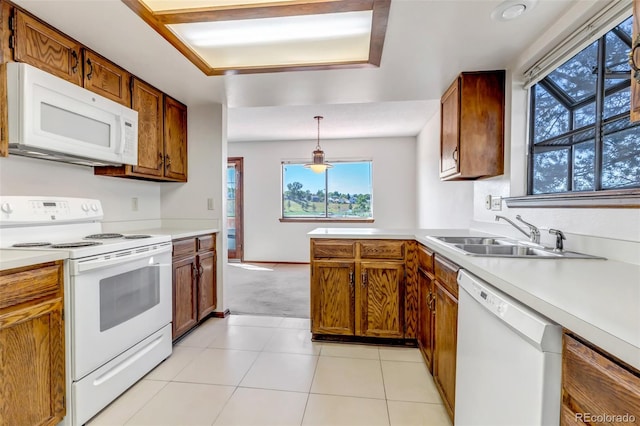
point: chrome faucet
(533, 234)
(559, 237)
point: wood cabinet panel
(411, 290)
(32, 354)
(42, 46)
(31, 284)
(185, 304)
(184, 247)
(382, 249)
(207, 298)
(333, 249)
(425, 258)
(444, 356)
(206, 242)
(106, 78)
(333, 297)
(148, 101)
(447, 274)
(593, 384)
(472, 126)
(635, 82)
(4, 132)
(175, 139)
(426, 316)
(382, 299)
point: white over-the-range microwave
(54, 119)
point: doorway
(235, 237)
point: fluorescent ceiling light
(248, 36)
(275, 30)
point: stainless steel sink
(476, 240)
(506, 247)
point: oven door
(117, 300)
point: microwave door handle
(123, 139)
(79, 267)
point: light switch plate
(496, 203)
(209, 203)
(487, 202)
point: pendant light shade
(318, 164)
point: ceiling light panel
(249, 36)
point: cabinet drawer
(334, 248)
(425, 258)
(377, 249)
(447, 274)
(206, 242)
(26, 284)
(184, 247)
(596, 385)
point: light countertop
(10, 259)
(596, 299)
(176, 233)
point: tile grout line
(315, 371)
(384, 388)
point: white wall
(440, 204)
(29, 176)
(267, 239)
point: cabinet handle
(167, 162)
(455, 155)
(351, 278)
(195, 272)
(363, 277)
(632, 60)
(160, 159)
(200, 271)
(90, 73)
(74, 67)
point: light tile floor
(253, 370)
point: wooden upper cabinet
(106, 78)
(148, 101)
(635, 82)
(175, 139)
(38, 44)
(4, 133)
(472, 126)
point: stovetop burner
(37, 244)
(136, 237)
(102, 236)
(77, 244)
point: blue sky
(347, 178)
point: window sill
(596, 199)
(324, 219)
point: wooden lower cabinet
(596, 388)
(32, 357)
(194, 282)
(356, 292)
(333, 297)
(426, 316)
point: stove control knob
(85, 207)
(94, 207)
(7, 207)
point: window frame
(606, 198)
(311, 219)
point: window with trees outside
(581, 137)
(343, 191)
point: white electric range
(118, 295)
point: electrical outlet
(487, 202)
(496, 203)
(134, 204)
(209, 203)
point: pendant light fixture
(318, 164)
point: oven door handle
(102, 262)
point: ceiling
(428, 43)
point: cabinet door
(206, 283)
(444, 354)
(147, 100)
(450, 130)
(4, 131)
(635, 84)
(333, 297)
(426, 316)
(382, 299)
(185, 304)
(45, 48)
(175, 139)
(106, 78)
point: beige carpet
(277, 289)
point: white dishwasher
(508, 360)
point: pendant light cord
(318, 117)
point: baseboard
(275, 261)
(223, 314)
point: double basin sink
(506, 247)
